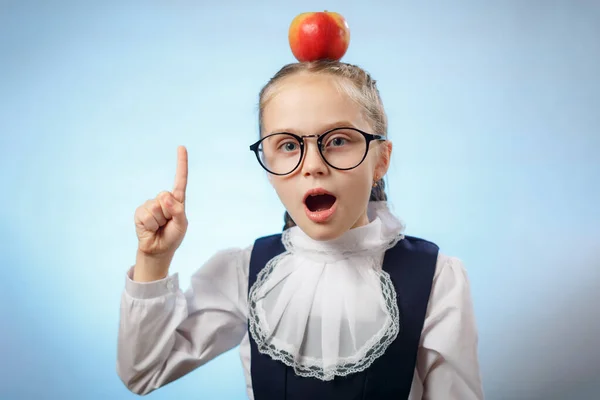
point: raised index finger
(181, 174)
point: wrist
(151, 268)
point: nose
(313, 163)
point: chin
(321, 232)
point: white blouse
(307, 295)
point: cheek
(358, 183)
(361, 179)
(367, 168)
(284, 189)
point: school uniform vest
(411, 266)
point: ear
(383, 159)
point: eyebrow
(325, 128)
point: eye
(337, 141)
(288, 146)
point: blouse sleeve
(448, 362)
(165, 333)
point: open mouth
(320, 202)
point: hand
(161, 223)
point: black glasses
(341, 148)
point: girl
(341, 305)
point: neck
(362, 221)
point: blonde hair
(355, 82)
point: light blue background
(494, 111)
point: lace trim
(312, 367)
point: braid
(378, 192)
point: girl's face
(311, 104)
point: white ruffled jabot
(326, 308)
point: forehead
(306, 103)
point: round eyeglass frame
(368, 139)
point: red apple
(319, 35)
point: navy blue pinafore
(411, 266)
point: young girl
(341, 305)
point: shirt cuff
(149, 290)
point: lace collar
(327, 308)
